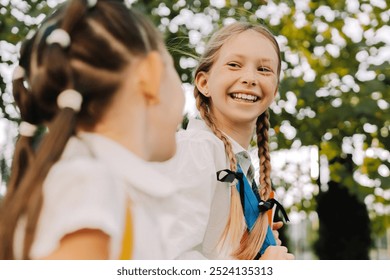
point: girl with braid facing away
(225, 212)
(98, 78)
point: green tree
(339, 80)
(336, 85)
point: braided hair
(249, 242)
(102, 39)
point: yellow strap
(127, 242)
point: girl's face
(168, 114)
(242, 83)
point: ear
(201, 83)
(150, 70)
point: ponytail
(23, 153)
(29, 169)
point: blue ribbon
(251, 203)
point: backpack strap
(127, 242)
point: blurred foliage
(333, 77)
(335, 88)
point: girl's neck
(241, 132)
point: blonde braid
(208, 118)
(233, 230)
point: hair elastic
(91, 3)
(18, 73)
(70, 98)
(59, 36)
(27, 129)
(31, 34)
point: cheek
(174, 106)
(269, 86)
(180, 100)
(163, 141)
(175, 92)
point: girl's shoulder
(199, 148)
(78, 160)
(79, 170)
(79, 183)
(198, 132)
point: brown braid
(245, 244)
(201, 103)
(27, 198)
(252, 241)
(262, 127)
(23, 153)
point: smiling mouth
(244, 97)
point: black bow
(269, 204)
(228, 176)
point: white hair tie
(18, 73)
(27, 129)
(91, 3)
(59, 36)
(31, 34)
(70, 98)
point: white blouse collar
(242, 155)
(201, 125)
(135, 170)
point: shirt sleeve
(79, 194)
(193, 171)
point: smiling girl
(224, 211)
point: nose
(249, 78)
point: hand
(277, 253)
(275, 227)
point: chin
(164, 154)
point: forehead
(249, 44)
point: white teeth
(245, 96)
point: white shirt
(204, 202)
(90, 187)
